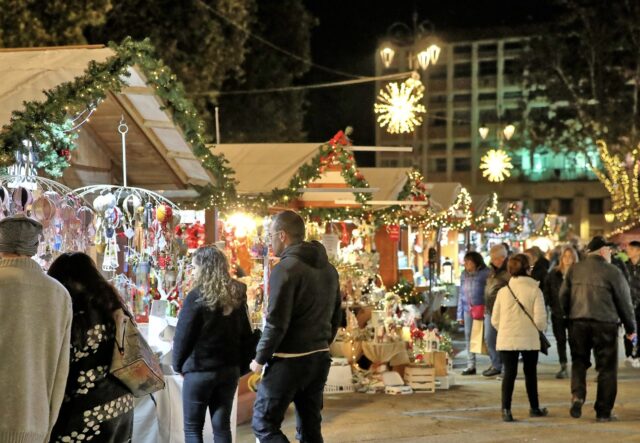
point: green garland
(45, 124)
(333, 153)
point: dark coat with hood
(304, 310)
(498, 278)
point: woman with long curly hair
(97, 407)
(212, 330)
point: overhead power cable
(306, 87)
(273, 45)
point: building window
(490, 47)
(462, 98)
(512, 67)
(439, 119)
(461, 164)
(440, 165)
(596, 206)
(488, 116)
(438, 147)
(462, 70)
(462, 49)
(541, 205)
(462, 145)
(487, 96)
(513, 95)
(566, 206)
(508, 46)
(437, 72)
(488, 68)
(440, 98)
(462, 118)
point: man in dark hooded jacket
(303, 317)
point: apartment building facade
(477, 82)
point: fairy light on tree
(399, 106)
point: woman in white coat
(517, 334)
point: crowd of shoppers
(587, 300)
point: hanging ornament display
(135, 231)
(55, 206)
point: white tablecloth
(164, 424)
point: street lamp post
(401, 34)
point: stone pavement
(470, 412)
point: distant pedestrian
(633, 266)
(97, 406)
(303, 317)
(595, 296)
(212, 332)
(517, 304)
(471, 300)
(567, 258)
(539, 264)
(35, 324)
(498, 277)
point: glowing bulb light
(386, 54)
(496, 165)
(399, 106)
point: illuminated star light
(399, 106)
(496, 165)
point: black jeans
(559, 325)
(299, 380)
(628, 346)
(214, 390)
(585, 335)
(510, 369)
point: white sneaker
(636, 363)
(628, 362)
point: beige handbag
(133, 362)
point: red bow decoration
(340, 139)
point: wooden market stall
(158, 155)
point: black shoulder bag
(544, 343)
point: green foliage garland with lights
(331, 155)
(42, 123)
(414, 190)
(491, 219)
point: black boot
(563, 371)
(538, 412)
(506, 415)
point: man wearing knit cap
(35, 319)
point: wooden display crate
(420, 378)
(438, 360)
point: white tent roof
(263, 167)
(26, 73)
(389, 181)
(443, 195)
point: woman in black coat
(209, 345)
(97, 407)
(552, 286)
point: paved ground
(470, 412)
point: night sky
(346, 39)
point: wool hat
(598, 242)
(19, 235)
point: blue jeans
(490, 336)
(214, 390)
(468, 322)
(299, 380)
